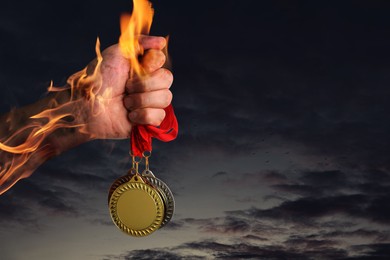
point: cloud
(274, 177)
(372, 251)
(316, 224)
(313, 92)
(174, 225)
(319, 183)
(293, 249)
(375, 235)
(147, 254)
(13, 213)
(209, 249)
(229, 225)
(28, 201)
(298, 189)
(307, 209)
(219, 174)
(317, 214)
(268, 242)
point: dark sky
(284, 143)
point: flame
(16, 154)
(43, 124)
(132, 26)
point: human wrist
(32, 134)
(73, 128)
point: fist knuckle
(168, 98)
(153, 116)
(148, 117)
(158, 120)
(162, 115)
(160, 56)
(166, 77)
(169, 77)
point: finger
(152, 60)
(159, 79)
(147, 116)
(153, 99)
(152, 42)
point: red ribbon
(141, 135)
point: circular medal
(136, 207)
(165, 191)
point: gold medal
(136, 207)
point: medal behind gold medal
(166, 193)
(136, 207)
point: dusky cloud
(246, 80)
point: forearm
(32, 134)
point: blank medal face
(136, 209)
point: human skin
(135, 100)
(141, 101)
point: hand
(131, 101)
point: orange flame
(132, 26)
(43, 124)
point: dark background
(283, 149)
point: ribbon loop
(141, 135)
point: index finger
(152, 42)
